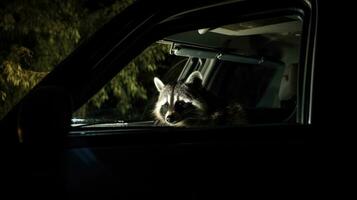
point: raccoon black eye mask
(185, 104)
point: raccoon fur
(188, 104)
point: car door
(162, 162)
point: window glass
(236, 74)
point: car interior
(253, 63)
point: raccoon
(188, 104)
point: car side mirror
(43, 121)
(44, 117)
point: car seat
(288, 90)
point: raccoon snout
(172, 118)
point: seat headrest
(288, 84)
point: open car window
(230, 75)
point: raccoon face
(180, 103)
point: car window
(37, 35)
(234, 74)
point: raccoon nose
(171, 118)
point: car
(261, 54)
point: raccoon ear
(195, 78)
(159, 84)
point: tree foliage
(127, 88)
(35, 35)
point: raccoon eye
(180, 105)
(165, 105)
(164, 108)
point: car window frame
(163, 27)
(131, 37)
